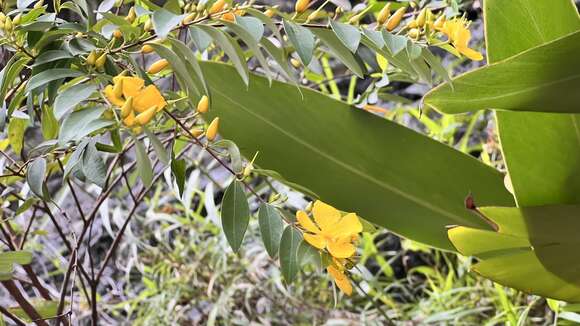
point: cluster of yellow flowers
(335, 234)
(138, 103)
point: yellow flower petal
(315, 240)
(325, 215)
(147, 98)
(306, 222)
(110, 94)
(340, 280)
(132, 86)
(347, 226)
(471, 54)
(341, 248)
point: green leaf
(93, 166)
(307, 254)
(200, 39)
(350, 60)
(45, 308)
(541, 150)
(271, 228)
(178, 168)
(533, 249)
(349, 35)
(71, 97)
(12, 70)
(230, 47)
(192, 65)
(162, 153)
(164, 21)
(542, 79)
(234, 153)
(435, 64)
(50, 56)
(302, 40)
(76, 157)
(82, 123)
(47, 76)
(395, 43)
(253, 25)
(266, 20)
(291, 239)
(144, 167)
(354, 160)
(235, 214)
(16, 128)
(280, 57)
(49, 123)
(35, 177)
(9, 258)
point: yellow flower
(143, 97)
(331, 231)
(458, 35)
(336, 270)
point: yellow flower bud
(270, 13)
(229, 17)
(2, 17)
(414, 33)
(356, 18)
(108, 114)
(439, 22)
(212, 130)
(200, 6)
(117, 34)
(127, 108)
(1, 25)
(100, 62)
(129, 121)
(295, 63)
(147, 49)
(412, 24)
(39, 4)
(203, 105)
(131, 15)
(143, 118)
(301, 6)
(384, 14)
(422, 18)
(188, 19)
(8, 25)
(148, 25)
(217, 7)
(395, 19)
(17, 19)
(157, 66)
(248, 170)
(118, 89)
(196, 132)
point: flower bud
(248, 169)
(422, 18)
(270, 13)
(384, 14)
(8, 26)
(295, 63)
(100, 62)
(212, 130)
(395, 19)
(229, 17)
(145, 117)
(38, 4)
(91, 58)
(217, 7)
(148, 25)
(439, 22)
(118, 89)
(127, 108)
(157, 66)
(2, 17)
(117, 34)
(203, 105)
(301, 6)
(131, 15)
(189, 18)
(147, 49)
(414, 33)
(196, 132)
(17, 19)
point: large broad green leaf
(358, 162)
(543, 79)
(533, 250)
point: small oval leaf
(291, 239)
(235, 214)
(271, 228)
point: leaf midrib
(347, 166)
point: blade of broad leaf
(75, 158)
(435, 64)
(279, 56)
(16, 129)
(81, 123)
(234, 153)
(164, 21)
(162, 153)
(253, 25)
(50, 56)
(231, 48)
(47, 76)
(143, 164)
(527, 139)
(291, 239)
(395, 43)
(93, 166)
(271, 228)
(350, 60)
(71, 97)
(178, 168)
(16, 257)
(235, 214)
(9, 73)
(354, 160)
(307, 254)
(349, 35)
(46, 309)
(35, 177)
(49, 124)
(302, 40)
(200, 39)
(533, 249)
